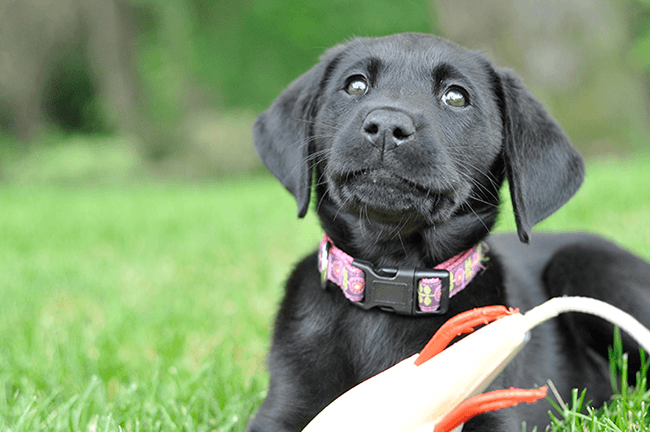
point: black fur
(404, 179)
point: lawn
(149, 306)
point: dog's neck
(426, 247)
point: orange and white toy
(401, 397)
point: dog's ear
(282, 133)
(544, 170)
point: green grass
(149, 306)
(626, 411)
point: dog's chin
(391, 201)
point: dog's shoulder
(543, 246)
(306, 308)
(526, 267)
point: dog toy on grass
(401, 398)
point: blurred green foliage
(241, 54)
(201, 71)
(639, 16)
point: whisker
(479, 219)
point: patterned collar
(401, 290)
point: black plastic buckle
(396, 290)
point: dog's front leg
(305, 378)
(295, 397)
(309, 362)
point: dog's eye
(357, 85)
(455, 97)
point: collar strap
(405, 291)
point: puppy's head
(410, 131)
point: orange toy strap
(486, 402)
(461, 324)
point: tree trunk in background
(35, 35)
(572, 54)
(111, 55)
(30, 31)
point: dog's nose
(387, 129)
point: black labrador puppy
(407, 140)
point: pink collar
(401, 290)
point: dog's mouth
(386, 197)
(381, 181)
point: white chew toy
(407, 397)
